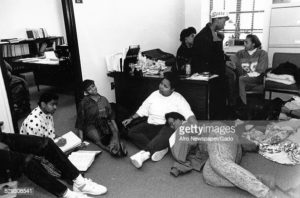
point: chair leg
(270, 95)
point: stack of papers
(72, 141)
(197, 76)
(82, 160)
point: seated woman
(184, 52)
(19, 92)
(246, 67)
(96, 121)
(222, 167)
(152, 137)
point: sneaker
(90, 187)
(138, 159)
(158, 155)
(73, 194)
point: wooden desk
(132, 91)
(46, 72)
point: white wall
(107, 26)
(196, 13)
(5, 115)
(17, 15)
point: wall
(5, 115)
(16, 16)
(196, 13)
(107, 26)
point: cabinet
(284, 34)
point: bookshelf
(16, 48)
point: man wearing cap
(208, 56)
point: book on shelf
(37, 33)
(72, 141)
(83, 159)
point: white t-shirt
(157, 105)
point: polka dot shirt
(38, 123)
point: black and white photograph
(150, 98)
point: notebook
(82, 160)
(72, 141)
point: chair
(272, 86)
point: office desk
(47, 72)
(201, 95)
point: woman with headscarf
(184, 52)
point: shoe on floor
(90, 187)
(139, 158)
(72, 194)
(158, 155)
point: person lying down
(224, 150)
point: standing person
(247, 67)
(40, 121)
(96, 121)
(208, 56)
(152, 137)
(184, 52)
(16, 155)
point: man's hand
(4, 146)
(114, 144)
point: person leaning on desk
(184, 52)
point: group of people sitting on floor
(168, 113)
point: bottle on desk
(188, 69)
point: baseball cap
(219, 14)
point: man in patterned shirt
(40, 121)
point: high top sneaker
(138, 159)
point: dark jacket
(183, 56)
(91, 113)
(208, 55)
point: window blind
(246, 17)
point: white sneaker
(72, 194)
(138, 159)
(90, 187)
(158, 155)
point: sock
(67, 193)
(79, 180)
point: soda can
(188, 69)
